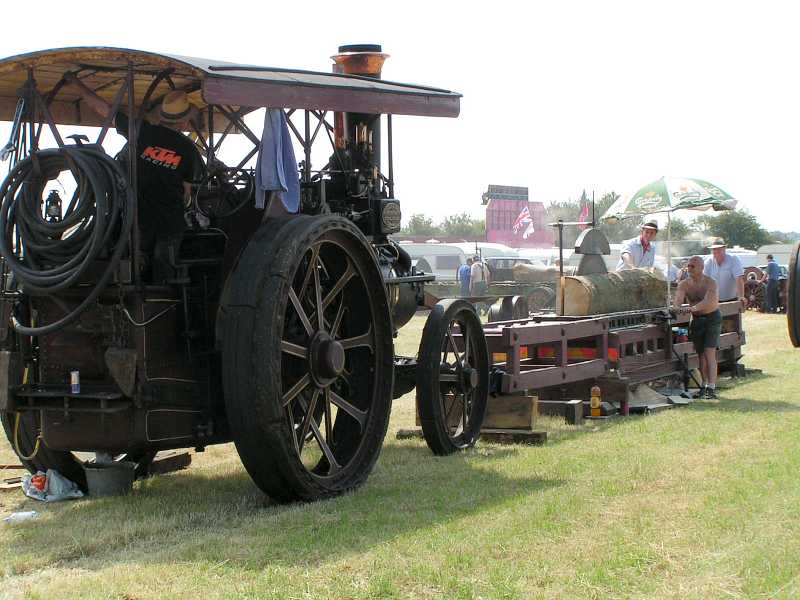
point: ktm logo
(162, 156)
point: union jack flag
(522, 220)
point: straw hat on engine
(176, 108)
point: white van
(442, 260)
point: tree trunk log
(634, 289)
(538, 274)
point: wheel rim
(327, 330)
(793, 297)
(459, 379)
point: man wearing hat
(726, 269)
(167, 162)
(639, 251)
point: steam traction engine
(270, 329)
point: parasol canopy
(669, 194)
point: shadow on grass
(744, 405)
(200, 516)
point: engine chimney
(357, 132)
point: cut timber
(634, 289)
(538, 274)
(510, 412)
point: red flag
(584, 216)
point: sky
(557, 96)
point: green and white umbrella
(666, 195)
(669, 194)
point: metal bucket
(109, 479)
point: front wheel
(452, 377)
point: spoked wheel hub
(326, 359)
(470, 378)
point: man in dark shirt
(167, 163)
(771, 277)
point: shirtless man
(700, 293)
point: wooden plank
(11, 483)
(498, 436)
(513, 436)
(510, 412)
(548, 376)
(647, 332)
(542, 333)
(409, 434)
(167, 462)
(571, 410)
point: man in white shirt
(639, 251)
(478, 279)
(726, 269)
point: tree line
(737, 227)
(461, 225)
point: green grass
(701, 502)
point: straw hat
(176, 108)
(717, 243)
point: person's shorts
(704, 330)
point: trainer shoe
(711, 394)
(699, 394)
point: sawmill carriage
(270, 327)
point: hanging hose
(22, 456)
(50, 256)
(15, 442)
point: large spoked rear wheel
(452, 377)
(307, 358)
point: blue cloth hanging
(276, 167)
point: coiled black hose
(47, 257)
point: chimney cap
(360, 48)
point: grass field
(699, 502)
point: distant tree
(785, 237)
(463, 225)
(565, 210)
(738, 227)
(624, 229)
(679, 229)
(419, 224)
